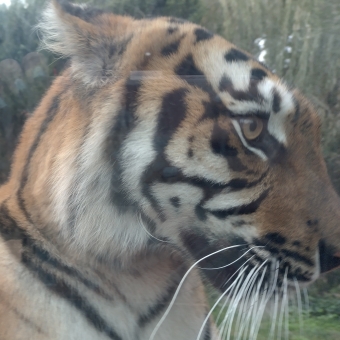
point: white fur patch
(229, 200)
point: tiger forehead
(199, 57)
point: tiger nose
(329, 259)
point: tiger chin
(162, 156)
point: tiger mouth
(223, 264)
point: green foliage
(186, 9)
(301, 38)
(320, 321)
(327, 305)
(17, 36)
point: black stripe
(258, 74)
(175, 201)
(39, 253)
(251, 94)
(151, 174)
(275, 238)
(220, 145)
(200, 213)
(171, 48)
(297, 113)
(298, 257)
(276, 101)
(172, 29)
(123, 125)
(202, 34)
(189, 72)
(235, 55)
(48, 119)
(9, 229)
(187, 67)
(282, 252)
(173, 112)
(241, 210)
(69, 293)
(84, 13)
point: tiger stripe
(161, 145)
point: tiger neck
(91, 239)
(77, 249)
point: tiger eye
(252, 127)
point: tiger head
(161, 133)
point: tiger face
(186, 142)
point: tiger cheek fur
(160, 146)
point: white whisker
(224, 293)
(247, 310)
(226, 300)
(299, 303)
(245, 302)
(306, 298)
(280, 325)
(229, 264)
(241, 313)
(152, 336)
(267, 294)
(232, 299)
(256, 321)
(238, 298)
(286, 301)
(232, 303)
(276, 302)
(140, 220)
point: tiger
(161, 160)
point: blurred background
(298, 40)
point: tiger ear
(93, 39)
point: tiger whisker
(255, 324)
(281, 316)
(144, 227)
(214, 306)
(286, 302)
(276, 302)
(167, 311)
(299, 304)
(244, 286)
(242, 314)
(306, 298)
(229, 264)
(253, 295)
(233, 297)
(252, 312)
(224, 293)
(261, 303)
(225, 303)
